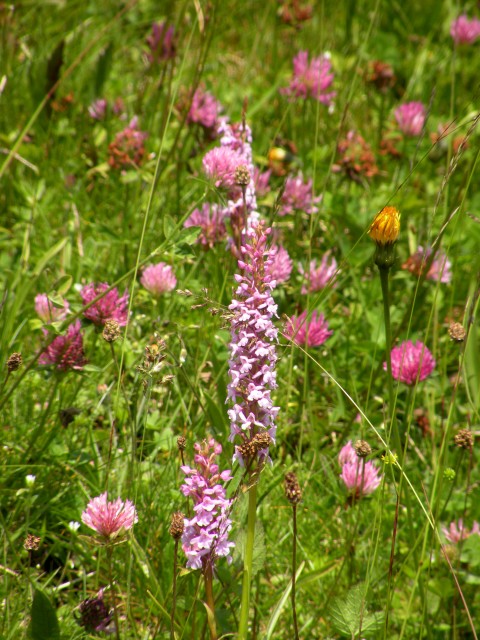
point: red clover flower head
(411, 363)
(47, 311)
(205, 536)
(95, 615)
(220, 165)
(281, 264)
(66, 352)
(252, 346)
(456, 532)
(360, 478)
(98, 109)
(298, 195)
(204, 110)
(318, 278)
(410, 118)
(347, 454)
(109, 519)
(111, 306)
(211, 220)
(312, 78)
(161, 43)
(440, 269)
(158, 279)
(311, 333)
(465, 31)
(127, 150)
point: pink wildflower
(211, 220)
(261, 181)
(98, 109)
(347, 454)
(65, 352)
(456, 532)
(465, 31)
(110, 307)
(205, 536)
(310, 333)
(109, 519)
(281, 264)
(127, 150)
(252, 347)
(220, 164)
(47, 311)
(161, 43)
(440, 269)
(410, 118)
(411, 363)
(204, 110)
(298, 195)
(320, 277)
(311, 79)
(360, 478)
(95, 616)
(158, 278)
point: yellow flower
(386, 226)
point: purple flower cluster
(65, 352)
(308, 333)
(220, 165)
(111, 306)
(318, 278)
(410, 118)
(359, 477)
(312, 78)
(205, 536)
(238, 138)
(252, 347)
(298, 196)
(411, 363)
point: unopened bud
(362, 449)
(464, 439)
(457, 332)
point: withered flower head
(293, 492)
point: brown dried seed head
(14, 362)
(31, 542)
(362, 448)
(111, 330)
(242, 175)
(457, 332)
(177, 526)
(260, 441)
(464, 439)
(293, 493)
(181, 443)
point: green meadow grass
(68, 219)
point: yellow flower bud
(386, 226)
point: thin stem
(112, 587)
(384, 272)
(247, 564)
(294, 570)
(208, 576)
(174, 591)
